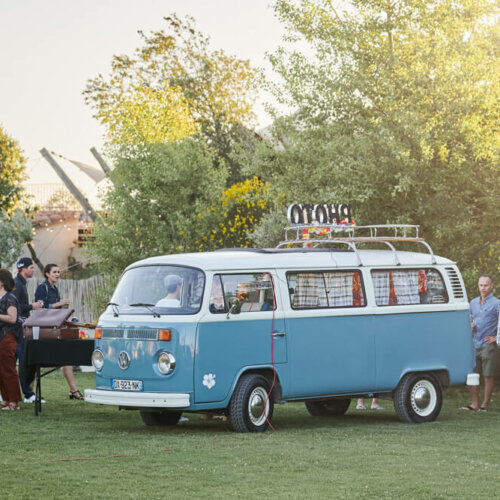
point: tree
(15, 227)
(174, 86)
(396, 110)
(158, 192)
(12, 168)
(16, 230)
(62, 199)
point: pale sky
(50, 48)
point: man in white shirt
(173, 286)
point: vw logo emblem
(123, 360)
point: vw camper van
(333, 313)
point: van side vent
(456, 285)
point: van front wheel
(418, 398)
(160, 417)
(330, 408)
(251, 409)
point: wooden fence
(79, 292)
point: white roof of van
(231, 260)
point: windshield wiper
(114, 305)
(149, 307)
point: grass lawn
(79, 450)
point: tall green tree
(174, 86)
(396, 110)
(158, 192)
(15, 231)
(12, 172)
(15, 227)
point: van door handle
(279, 334)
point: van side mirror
(234, 306)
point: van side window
(254, 291)
(217, 304)
(408, 286)
(328, 289)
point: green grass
(79, 450)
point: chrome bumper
(137, 399)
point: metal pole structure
(69, 184)
(101, 161)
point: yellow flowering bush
(240, 209)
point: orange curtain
(356, 290)
(393, 300)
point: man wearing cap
(25, 270)
(173, 284)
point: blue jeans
(25, 386)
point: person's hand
(491, 339)
(38, 304)
(64, 303)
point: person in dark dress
(10, 334)
(49, 294)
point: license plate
(127, 385)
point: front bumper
(137, 399)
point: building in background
(60, 224)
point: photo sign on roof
(323, 213)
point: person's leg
(474, 393)
(361, 404)
(488, 357)
(8, 373)
(25, 384)
(375, 405)
(70, 378)
(488, 390)
(474, 389)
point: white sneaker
(360, 406)
(183, 419)
(32, 399)
(377, 407)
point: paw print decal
(209, 380)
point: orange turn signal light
(98, 333)
(164, 334)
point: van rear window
(408, 286)
(326, 289)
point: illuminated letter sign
(322, 213)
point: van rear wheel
(160, 417)
(418, 398)
(329, 408)
(250, 408)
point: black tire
(418, 398)
(250, 409)
(160, 417)
(329, 408)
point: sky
(50, 48)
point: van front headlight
(166, 363)
(97, 360)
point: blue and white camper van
(320, 320)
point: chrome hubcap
(258, 406)
(423, 398)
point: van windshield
(159, 290)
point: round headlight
(166, 363)
(97, 360)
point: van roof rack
(313, 235)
